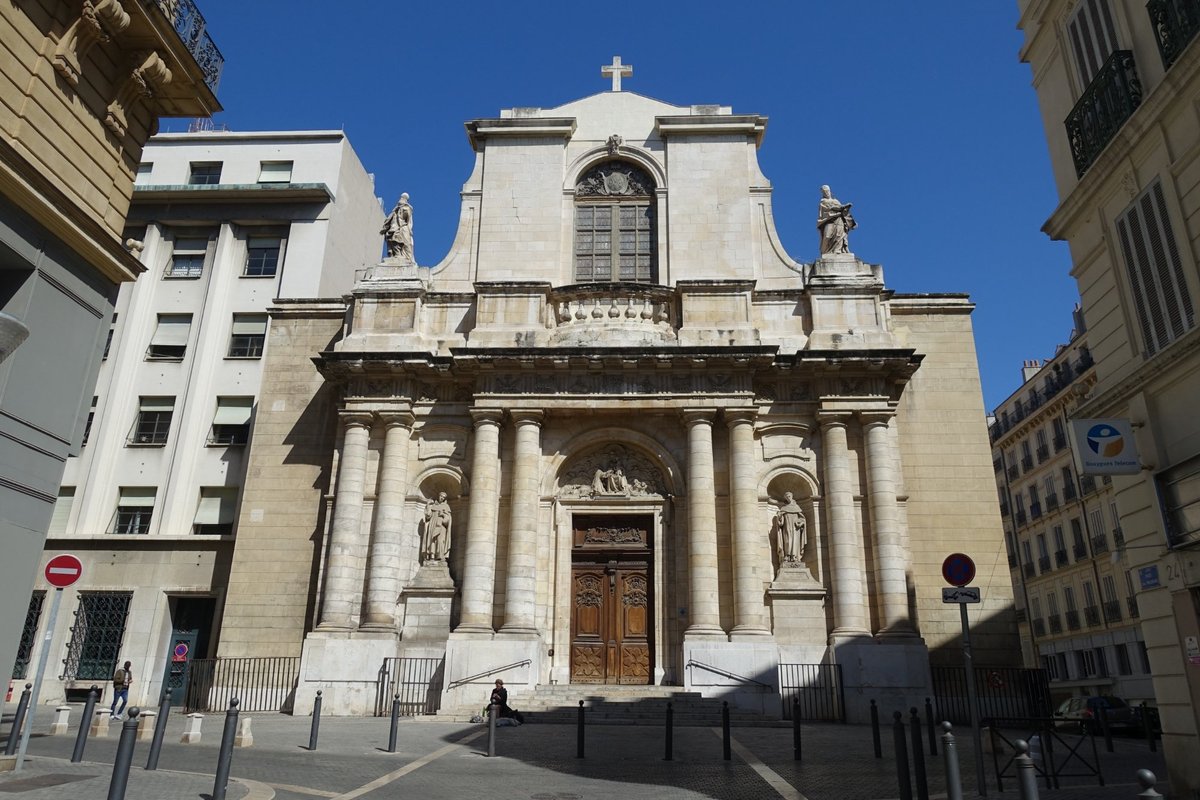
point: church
(618, 437)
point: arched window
(614, 225)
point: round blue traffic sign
(958, 569)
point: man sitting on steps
(500, 700)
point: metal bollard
(796, 729)
(918, 755)
(160, 730)
(950, 757)
(1147, 780)
(932, 727)
(491, 730)
(579, 733)
(225, 756)
(1105, 729)
(726, 745)
(875, 730)
(124, 758)
(1026, 777)
(316, 723)
(670, 746)
(901, 757)
(85, 722)
(14, 736)
(1148, 727)
(395, 724)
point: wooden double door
(610, 619)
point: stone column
(749, 612)
(520, 595)
(891, 562)
(479, 567)
(848, 581)
(383, 575)
(341, 591)
(705, 611)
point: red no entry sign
(958, 569)
(63, 570)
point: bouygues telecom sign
(1104, 447)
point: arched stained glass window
(615, 225)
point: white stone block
(191, 733)
(62, 719)
(99, 728)
(244, 737)
(146, 720)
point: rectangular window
(1116, 517)
(143, 173)
(96, 635)
(1092, 36)
(153, 421)
(630, 257)
(1040, 437)
(262, 256)
(231, 423)
(87, 426)
(1109, 587)
(1124, 667)
(1061, 658)
(1035, 605)
(112, 328)
(275, 172)
(1100, 661)
(1051, 667)
(1145, 657)
(1069, 598)
(33, 615)
(1160, 296)
(1085, 660)
(1041, 543)
(204, 173)
(135, 509)
(170, 337)
(248, 336)
(1048, 485)
(1089, 594)
(1060, 542)
(1179, 488)
(215, 513)
(187, 257)
(62, 510)
(1052, 604)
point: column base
(748, 632)
(467, 630)
(519, 630)
(705, 631)
(905, 634)
(379, 626)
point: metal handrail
(719, 671)
(461, 681)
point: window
(1052, 604)
(1141, 646)
(1089, 594)
(615, 224)
(1050, 664)
(1116, 517)
(1092, 38)
(143, 173)
(231, 423)
(135, 509)
(87, 426)
(187, 257)
(1028, 552)
(1077, 542)
(1069, 598)
(1124, 667)
(1034, 499)
(1085, 662)
(1101, 661)
(1061, 658)
(1041, 543)
(1040, 437)
(1060, 541)
(1160, 296)
(1109, 587)
(153, 421)
(214, 514)
(1035, 605)
(170, 337)
(62, 510)
(248, 336)
(1179, 488)
(262, 256)
(33, 615)
(275, 172)
(96, 635)
(112, 328)
(204, 173)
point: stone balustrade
(638, 310)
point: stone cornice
(751, 125)
(479, 130)
(1160, 364)
(232, 193)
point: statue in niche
(793, 531)
(835, 223)
(397, 231)
(435, 544)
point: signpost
(958, 569)
(61, 571)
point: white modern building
(227, 223)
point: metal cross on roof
(616, 70)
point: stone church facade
(661, 449)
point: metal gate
(818, 689)
(260, 684)
(1002, 692)
(416, 682)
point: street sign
(961, 594)
(63, 570)
(958, 569)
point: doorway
(191, 628)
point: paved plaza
(533, 762)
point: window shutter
(275, 172)
(216, 506)
(249, 325)
(1093, 37)
(62, 509)
(172, 330)
(233, 410)
(157, 404)
(137, 497)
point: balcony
(1132, 603)
(997, 466)
(1035, 510)
(1060, 558)
(1091, 615)
(619, 314)
(1051, 502)
(1108, 101)
(1099, 544)
(1087, 484)
(1072, 620)
(1039, 627)
(1060, 442)
(1112, 610)
(1175, 23)
(1013, 472)
(1080, 550)
(1107, 480)
(1027, 463)
(1055, 623)
(189, 24)
(1043, 453)
(1021, 518)
(1012, 560)
(1118, 538)
(1044, 564)
(1029, 570)
(1069, 492)
(1003, 509)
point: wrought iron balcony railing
(997, 465)
(1030, 571)
(1060, 558)
(1112, 610)
(1020, 614)
(1051, 502)
(189, 23)
(1175, 23)
(1091, 615)
(1044, 563)
(1118, 538)
(1055, 623)
(1013, 472)
(1012, 559)
(1060, 443)
(1099, 544)
(1080, 550)
(1039, 627)
(1035, 510)
(1108, 101)
(1021, 516)
(1069, 491)
(1027, 463)
(1133, 606)
(1087, 484)
(1073, 620)
(1043, 453)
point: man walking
(121, 680)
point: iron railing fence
(1108, 101)
(259, 684)
(819, 689)
(416, 681)
(1002, 692)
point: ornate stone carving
(614, 471)
(94, 18)
(435, 542)
(792, 531)
(397, 232)
(613, 536)
(614, 144)
(152, 72)
(614, 179)
(835, 223)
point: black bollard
(491, 730)
(579, 733)
(950, 756)
(124, 757)
(89, 708)
(932, 727)
(160, 729)
(918, 756)
(1026, 774)
(901, 757)
(225, 756)
(875, 730)
(316, 723)
(1148, 727)
(395, 724)
(670, 746)
(796, 729)
(14, 736)
(726, 745)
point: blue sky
(917, 112)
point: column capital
(396, 419)
(693, 416)
(356, 419)
(529, 415)
(482, 416)
(830, 419)
(876, 417)
(738, 416)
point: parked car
(1083, 714)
